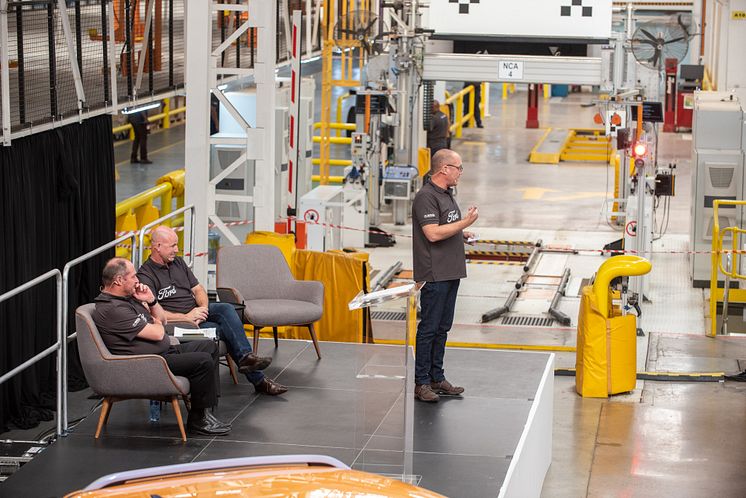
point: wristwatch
(155, 301)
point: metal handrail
(146, 228)
(65, 304)
(57, 346)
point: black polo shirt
(171, 284)
(119, 320)
(445, 259)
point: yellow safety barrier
(337, 126)
(334, 140)
(460, 118)
(331, 179)
(341, 99)
(164, 117)
(137, 211)
(333, 162)
(717, 293)
(606, 356)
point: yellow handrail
(335, 140)
(460, 118)
(137, 211)
(718, 236)
(337, 126)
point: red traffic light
(640, 149)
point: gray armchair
(122, 377)
(258, 276)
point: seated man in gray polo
(185, 300)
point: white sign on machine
(510, 70)
(576, 19)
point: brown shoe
(445, 387)
(423, 392)
(268, 386)
(251, 362)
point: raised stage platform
(494, 441)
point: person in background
(439, 131)
(139, 122)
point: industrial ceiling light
(141, 108)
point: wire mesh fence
(108, 36)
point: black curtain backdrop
(56, 203)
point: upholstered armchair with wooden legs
(122, 377)
(258, 276)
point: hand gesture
(197, 315)
(143, 293)
(470, 238)
(472, 214)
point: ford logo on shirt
(166, 292)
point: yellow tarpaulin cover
(343, 276)
(606, 358)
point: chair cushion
(281, 312)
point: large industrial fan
(654, 42)
(361, 28)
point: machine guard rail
(725, 294)
(57, 346)
(146, 228)
(163, 116)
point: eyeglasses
(460, 166)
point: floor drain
(528, 321)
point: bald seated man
(438, 237)
(130, 322)
(184, 299)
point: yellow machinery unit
(606, 357)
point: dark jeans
(477, 103)
(437, 303)
(140, 142)
(197, 361)
(223, 317)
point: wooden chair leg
(179, 420)
(313, 338)
(256, 339)
(232, 368)
(274, 331)
(105, 408)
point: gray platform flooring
(462, 445)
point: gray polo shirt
(171, 284)
(119, 320)
(445, 259)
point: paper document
(210, 333)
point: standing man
(439, 261)
(185, 300)
(139, 122)
(130, 321)
(477, 101)
(439, 129)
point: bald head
(162, 233)
(164, 244)
(441, 158)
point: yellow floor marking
(534, 193)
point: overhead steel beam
(533, 69)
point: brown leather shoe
(446, 387)
(268, 386)
(423, 392)
(251, 362)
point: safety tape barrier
(576, 250)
